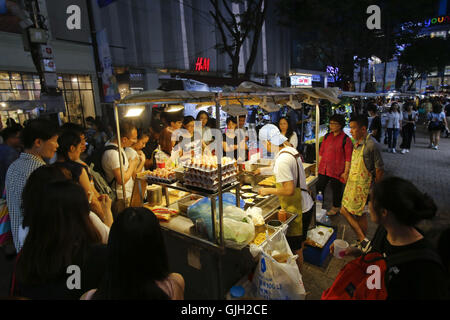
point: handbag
(5, 223)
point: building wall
(148, 34)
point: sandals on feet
(332, 212)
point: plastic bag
(277, 276)
(256, 214)
(238, 228)
(200, 212)
(238, 234)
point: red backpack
(356, 280)
(351, 282)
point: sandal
(332, 212)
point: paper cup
(339, 248)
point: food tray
(208, 169)
(213, 173)
(151, 180)
(207, 180)
(209, 187)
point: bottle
(320, 215)
(282, 215)
(319, 202)
(237, 293)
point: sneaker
(355, 244)
(435, 147)
(404, 151)
(365, 245)
(407, 150)
(393, 151)
(430, 145)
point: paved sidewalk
(428, 169)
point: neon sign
(437, 20)
(301, 81)
(202, 64)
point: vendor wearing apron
(366, 167)
(291, 186)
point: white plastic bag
(256, 214)
(238, 228)
(275, 280)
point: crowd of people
(400, 117)
(65, 195)
(60, 220)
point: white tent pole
(119, 143)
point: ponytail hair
(403, 200)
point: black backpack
(344, 141)
(96, 160)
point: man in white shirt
(111, 165)
(291, 187)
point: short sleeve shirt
(110, 162)
(334, 155)
(16, 178)
(393, 120)
(132, 154)
(286, 168)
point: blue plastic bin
(318, 256)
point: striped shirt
(16, 178)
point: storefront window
(76, 89)
(5, 85)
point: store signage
(301, 81)
(437, 20)
(46, 51)
(202, 64)
(50, 80)
(38, 35)
(109, 81)
(316, 78)
(48, 65)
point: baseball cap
(272, 134)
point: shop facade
(166, 39)
(77, 94)
(73, 57)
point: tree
(236, 28)
(423, 56)
(338, 32)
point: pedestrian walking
(409, 118)
(375, 125)
(436, 123)
(394, 120)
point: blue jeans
(392, 137)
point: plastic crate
(317, 256)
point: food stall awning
(247, 93)
(167, 97)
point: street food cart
(209, 266)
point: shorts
(296, 242)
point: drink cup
(339, 248)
